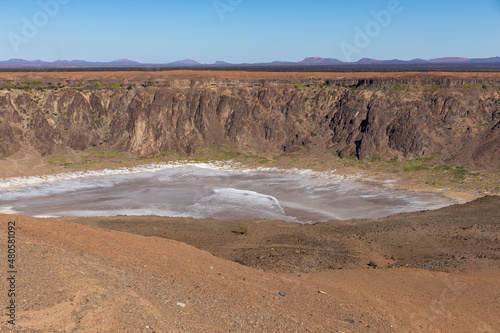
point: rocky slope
(458, 117)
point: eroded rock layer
(361, 118)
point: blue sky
(240, 31)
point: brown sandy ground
(126, 77)
(457, 237)
(77, 278)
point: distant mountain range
(308, 62)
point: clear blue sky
(246, 30)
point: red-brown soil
(191, 74)
(77, 278)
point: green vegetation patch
(300, 86)
(443, 168)
(487, 86)
(400, 87)
(60, 161)
(434, 183)
(227, 153)
(414, 168)
(90, 159)
(101, 153)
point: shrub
(242, 229)
(460, 173)
(394, 159)
(413, 168)
(443, 168)
(400, 87)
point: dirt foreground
(77, 278)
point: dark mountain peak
(448, 60)
(368, 61)
(307, 62)
(185, 62)
(124, 61)
(492, 60)
(320, 61)
(313, 59)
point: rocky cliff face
(359, 118)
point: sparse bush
(413, 168)
(376, 159)
(443, 168)
(400, 87)
(460, 173)
(394, 159)
(242, 229)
